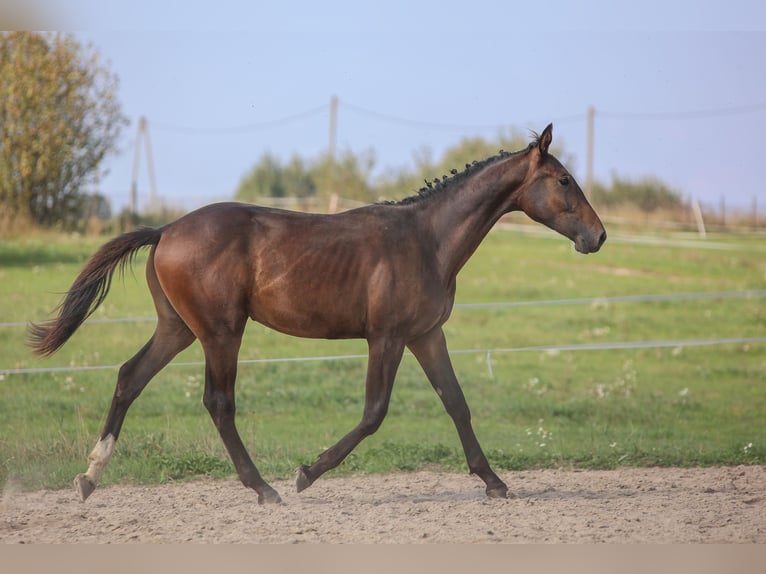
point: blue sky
(679, 88)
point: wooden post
(589, 153)
(143, 132)
(755, 212)
(697, 211)
(333, 127)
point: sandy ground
(659, 505)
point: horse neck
(462, 217)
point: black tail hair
(89, 289)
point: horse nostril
(602, 238)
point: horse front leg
(431, 352)
(220, 378)
(383, 362)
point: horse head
(552, 197)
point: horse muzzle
(591, 243)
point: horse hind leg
(383, 362)
(170, 337)
(133, 377)
(85, 483)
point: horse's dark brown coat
(385, 273)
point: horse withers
(384, 272)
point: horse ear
(545, 139)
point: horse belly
(308, 315)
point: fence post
(698, 218)
(489, 365)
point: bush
(648, 194)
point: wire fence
(646, 298)
(604, 346)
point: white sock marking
(99, 458)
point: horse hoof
(302, 481)
(269, 496)
(84, 486)
(499, 492)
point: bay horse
(384, 272)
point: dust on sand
(627, 505)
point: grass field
(599, 408)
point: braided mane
(437, 186)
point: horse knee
(219, 405)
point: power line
(685, 115)
(450, 126)
(409, 122)
(241, 129)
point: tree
(647, 193)
(59, 118)
(398, 184)
(269, 178)
(263, 180)
(348, 176)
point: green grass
(586, 409)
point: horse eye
(564, 180)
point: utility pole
(333, 127)
(143, 132)
(755, 212)
(589, 153)
(134, 178)
(153, 200)
(331, 153)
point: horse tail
(89, 289)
